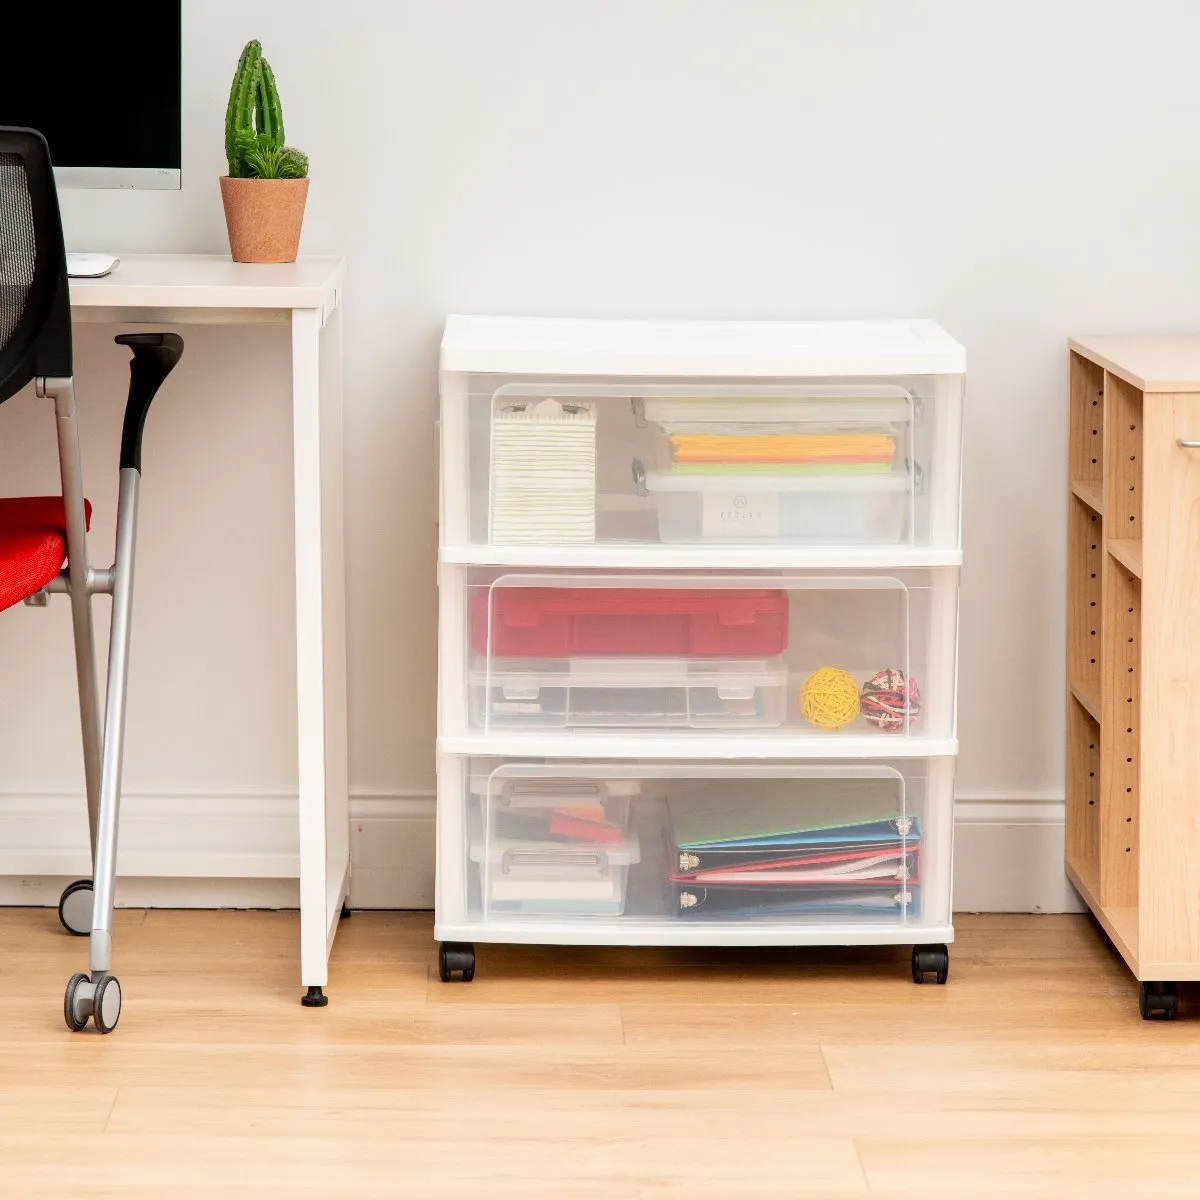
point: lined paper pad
(543, 472)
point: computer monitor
(101, 82)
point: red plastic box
(560, 622)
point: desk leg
(320, 641)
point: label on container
(739, 515)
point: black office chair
(43, 539)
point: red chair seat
(33, 545)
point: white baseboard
(1008, 855)
(238, 849)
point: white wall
(1018, 171)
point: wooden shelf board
(1121, 924)
(1151, 362)
(1088, 694)
(1128, 552)
(1091, 492)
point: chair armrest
(154, 358)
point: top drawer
(546, 461)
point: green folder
(799, 812)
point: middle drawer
(819, 653)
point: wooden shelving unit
(1133, 651)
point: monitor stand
(90, 266)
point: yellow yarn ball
(829, 698)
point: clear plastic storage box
(827, 435)
(853, 654)
(547, 844)
(592, 693)
(816, 464)
(698, 625)
(747, 853)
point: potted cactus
(267, 184)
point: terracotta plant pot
(264, 217)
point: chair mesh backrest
(35, 310)
(18, 245)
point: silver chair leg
(105, 866)
(98, 997)
(78, 587)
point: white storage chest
(698, 587)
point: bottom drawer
(671, 852)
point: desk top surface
(1167, 362)
(211, 281)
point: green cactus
(269, 114)
(254, 134)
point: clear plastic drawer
(821, 653)
(755, 853)
(560, 461)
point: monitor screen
(103, 88)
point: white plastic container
(897, 380)
(890, 635)
(825, 464)
(771, 500)
(868, 860)
(739, 509)
(552, 844)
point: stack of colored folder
(818, 846)
(752, 451)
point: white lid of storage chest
(763, 349)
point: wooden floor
(591, 1073)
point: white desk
(188, 289)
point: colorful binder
(804, 813)
(825, 868)
(809, 846)
(731, 902)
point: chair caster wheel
(77, 1002)
(1158, 1001)
(456, 957)
(106, 1004)
(75, 908)
(930, 960)
(99, 1001)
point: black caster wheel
(76, 1006)
(930, 960)
(1158, 1001)
(75, 908)
(456, 957)
(106, 1004)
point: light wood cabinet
(1133, 651)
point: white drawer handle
(565, 860)
(1184, 444)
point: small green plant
(254, 138)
